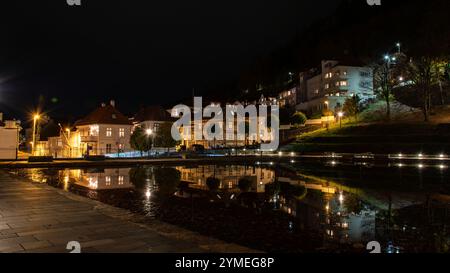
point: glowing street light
(340, 115)
(149, 132)
(36, 117)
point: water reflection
(270, 208)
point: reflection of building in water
(228, 175)
(341, 216)
(104, 179)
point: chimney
(113, 103)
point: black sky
(136, 52)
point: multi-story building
(104, 131)
(327, 88)
(9, 138)
(288, 98)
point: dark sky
(136, 52)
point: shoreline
(13, 231)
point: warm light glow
(340, 114)
(148, 194)
(341, 197)
(36, 116)
(149, 131)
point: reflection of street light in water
(148, 194)
(341, 197)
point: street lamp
(149, 132)
(340, 115)
(36, 117)
(399, 46)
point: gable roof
(106, 114)
(152, 113)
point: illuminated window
(343, 83)
(108, 180)
(327, 86)
(121, 132)
(120, 180)
(108, 132)
(93, 130)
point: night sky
(67, 60)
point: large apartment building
(329, 86)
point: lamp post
(340, 115)
(36, 117)
(149, 133)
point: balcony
(89, 138)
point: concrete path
(40, 218)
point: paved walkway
(40, 218)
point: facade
(9, 139)
(329, 87)
(288, 98)
(104, 131)
(229, 141)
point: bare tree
(384, 84)
(424, 72)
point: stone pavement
(40, 218)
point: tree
(298, 118)
(352, 107)
(140, 141)
(383, 85)
(424, 72)
(164, 137)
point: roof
(152, 113)
(106, 114)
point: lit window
(108, 132)
(327, 86)
(121, 132)
(343, 83)
(108, 180)
(93, 130)
(120, 180)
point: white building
(329, 87)
(104, 131)
(9, 138)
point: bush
(298, 118)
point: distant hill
(355, 31)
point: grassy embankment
(405, 133)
